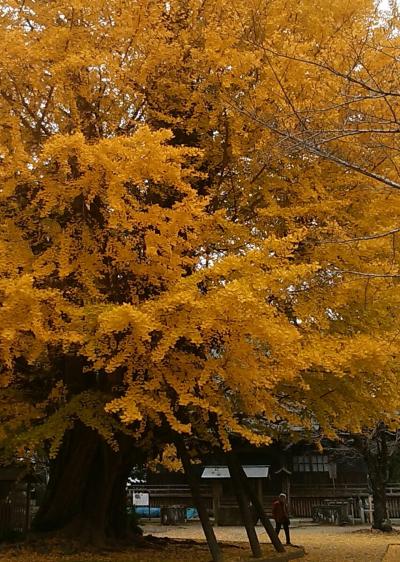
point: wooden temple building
(308, 477)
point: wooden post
(216, 492)
(362, 512)
(289, 499)
(370, 510)
(275, 540)
(244, 508)
(213, 545)
(28, 505)
(260, 494)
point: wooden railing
(351, 490)
(302, 500)
(302, 504)
(173, 494)
(12, 517)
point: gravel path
(322, 543)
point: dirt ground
(321, 543)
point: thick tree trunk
(381, 520)
(377, 461)
(85, 497)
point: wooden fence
(302, 499)
(173, 494)
(13, 517)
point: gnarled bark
(85, 497)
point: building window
(311, 463)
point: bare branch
(368, 275)
(314, 149)
(360, 238)
(332, 70)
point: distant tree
(376, 447)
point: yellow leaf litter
(322, 544)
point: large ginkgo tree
(173, 261)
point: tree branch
(360, 238)
(326, 155)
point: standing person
(280, 513)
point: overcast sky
(385, 3)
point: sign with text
(140, 498)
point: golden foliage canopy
(174, 247)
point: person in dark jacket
(280, 513)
